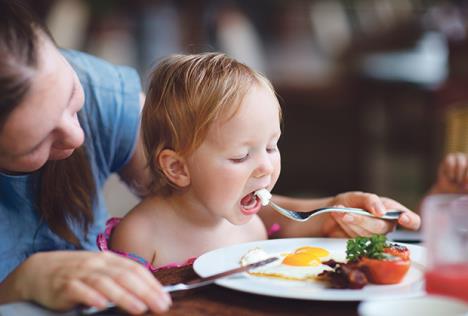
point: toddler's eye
(241, 159)
(272, 149)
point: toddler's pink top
(103, 245)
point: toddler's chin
(240, 221)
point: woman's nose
(71, 134)
(265, 166)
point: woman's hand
(352, 225)
(61, 280)
(452, 176)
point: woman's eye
(241, 159)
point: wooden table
(210, 300)
(216, 300)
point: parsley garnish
(370, 247)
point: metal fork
(304, 216)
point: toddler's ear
(174, 167)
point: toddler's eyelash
(238, 160)
(272, 149)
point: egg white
(279, 270)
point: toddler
(210, 127)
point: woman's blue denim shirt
(110, 119)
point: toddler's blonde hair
(186, 94)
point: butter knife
(191, 284)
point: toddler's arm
(132, 238)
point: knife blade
(210, 279)
(193, 283)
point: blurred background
(374, 92)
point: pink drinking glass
(445, 228)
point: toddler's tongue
(249, 201)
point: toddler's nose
(264, 168)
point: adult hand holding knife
(194, 283)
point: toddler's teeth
(264, 196)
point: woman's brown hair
(66, 188)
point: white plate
(228, 258)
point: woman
(51, 185)
(67, 121)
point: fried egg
(302, 264)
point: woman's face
(44, 126)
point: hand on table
(352, 225)
(61, 280)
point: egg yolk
(301, 259)
(306, 256)
(314, 251)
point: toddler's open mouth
(250, 204)
(249, 201)
(253, 202)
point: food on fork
(264, 195)
(379, 261)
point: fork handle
(390, 215)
